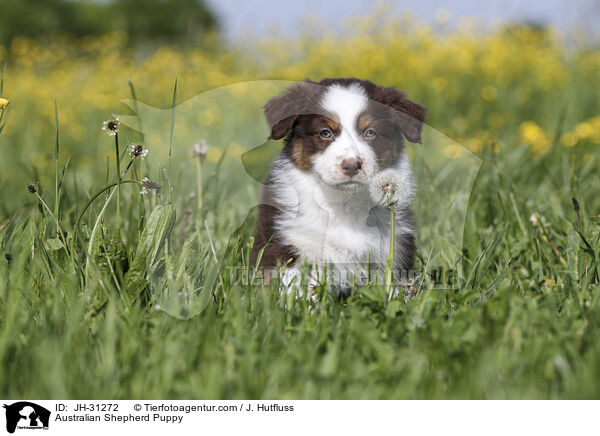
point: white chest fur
(326, 225)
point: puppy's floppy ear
(411, 118)
(275, 114)
(409, 115)
(282, 111)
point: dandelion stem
(199, 183)
(171, 137)
(118, 181)
(128, 166)
(390, 268)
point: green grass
(522, 324)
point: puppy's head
(344, 130)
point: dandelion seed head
(538, 220)
(200, 149)
(111, 127)
(136, 150)
(534, 218)
(149, 185)
(391, 188)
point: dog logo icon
(26, 415)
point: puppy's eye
(326, 134)
(370, 133)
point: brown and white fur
(315, 205)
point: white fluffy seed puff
(111, 127)
(391, 187)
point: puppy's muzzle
(351, 166)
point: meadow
(134, 300)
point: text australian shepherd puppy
(315, 207)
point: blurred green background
(144, 21)
(521, 94)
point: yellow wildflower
(4, 102)
(584, 130)
(569, 139)
(589, 129)
(534, 136)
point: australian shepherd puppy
(315, 207)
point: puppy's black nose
(351, 166)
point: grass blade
(56, 149)
(174, 103)
(2, 80)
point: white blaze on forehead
(345, 103)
